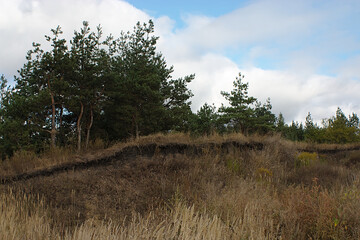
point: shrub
(263, 174)
(97, 144)
(233, 165)
(353, 159)
(305, 159)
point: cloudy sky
(304, 55)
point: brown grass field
(178, 187)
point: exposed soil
(131, 152)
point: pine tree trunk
(135, 122)
(137, 130)
(53, 124)
(61, 115)
(53, 131)
(78, 126)
(89, 127)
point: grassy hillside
(176, 187)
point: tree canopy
(110, 87)
(97, 86)
(245, 114)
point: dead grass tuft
(23, 216)
(328, 175)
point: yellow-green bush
(233, 165)
(306, 159)
(263, 174)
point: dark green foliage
(113, 89)
(118, 88)
(90, 70)
(205, 122)
(312, 132)
(245, 114)
(337, 129)
(12, 134)
(280, 123)
(340, 129)
(264, 121)
(178, 115)
(239, 116)
(294, 132)
(142, 73)
(142, 97)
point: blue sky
(304, 55)
(180, 9)
(343, 23)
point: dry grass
(23, 216)
(26, 217)
(328, 147)
(26, 161)
(252, 194)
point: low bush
(305, 159)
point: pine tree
(38, 90)
(121, 87)
(240, 114)
(204, 122)
(264, 121)
(177, 104)
(88, 79)
(340, 129)
(143, 97)
(312, 133)
(280, 123)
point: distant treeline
(118, 88)
(337, 129)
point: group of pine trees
(118, 88)
(93, 88)
(337, 129)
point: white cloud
(291, 31)
(296, 95)
(291, 93)
(257, 22)
(164, 26)
(301, 35)
(213, 74)
(351, 68)
(25, 21)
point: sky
(303, 55)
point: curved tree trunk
(89, 127)
(78, 127)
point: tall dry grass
(25, 217)
(25, 161)
(252, 194)
(247, 211)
